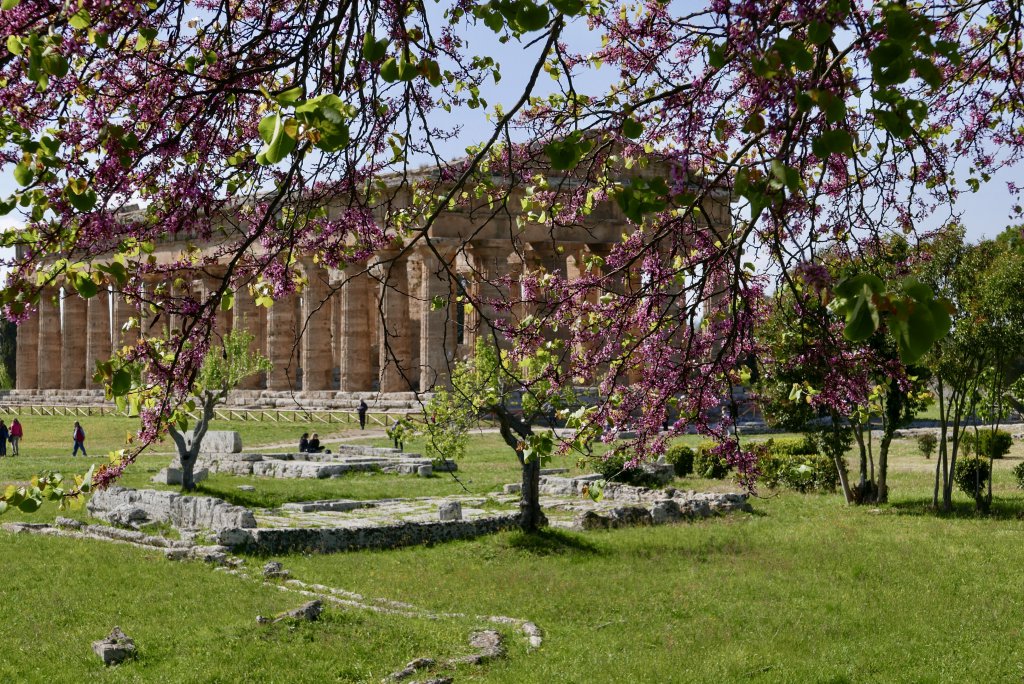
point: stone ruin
(222, 453)
(344, 525)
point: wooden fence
(326, 416)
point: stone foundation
(322, 465)
(186, 512)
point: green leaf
(86, 286)
(121, 383)
(631, 128)
(819, 33)
(227, 301)
(289, 97)
(862, 319)
(531, 17)
(9, 4)
(23, 174)
(374, 50)
(14, 45)
(389, 70)
(832, 142)
(279, 144)
(80, 19)
(29, 505)
(570, 8)
(84, 201)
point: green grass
(802, 589)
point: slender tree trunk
(531, 518)
(515, 432)
(940, 458)
(188, 453)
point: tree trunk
(531, 518)
(515, 432)
(188, 454)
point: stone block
(514, 488)
(116, 648)
(425, 470)
(449, 511)
(219, 442)
(127, 515)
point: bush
(613, 468)
(708, 464)
(1018, 472)
(793, 446)
(801, 471)
(681, 458)
(994, 445)
(927, 443)
(971, 476)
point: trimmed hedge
(708, 464)
(802, 472)
(971, 476)
(995, 444)
(681, 458)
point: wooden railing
(326, 416)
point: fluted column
(247, 317)
(26, 372)
(98, 339)
(491, 265)
(121, 313)
(74, 332)
(394, 339)
(50, 341)
(317, 364)
(281, 344)
(222, 319)
(437, 325)
(353, 332)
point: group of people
(310, 445)
(12, 434)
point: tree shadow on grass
(1002, 509)
(236, 497)
(549, 542)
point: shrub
(681, 458)
(613, 468)
(1018, 472)
(708, 464)
(971, 476)
(927, 443)
(990, 444)
(801, 471)
(793, 446)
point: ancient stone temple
(374, 327)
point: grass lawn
(802, 589)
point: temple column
(74, 331)
(394, 339)
(490, 265)
(247, 317)
(98, 338)
(26, 373)
(50, 341)
(222, 319)
(317, 365)
(353, 332)
(281, 344)
(121, 313)
(437, 325)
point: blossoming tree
(288, 127)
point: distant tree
(222, 370)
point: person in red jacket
(16, 434)
(79, 437)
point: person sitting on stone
(314, 445)
(304, 443)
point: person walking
(363, 408)
(16, 434)
(4, 435)
(79, 437)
